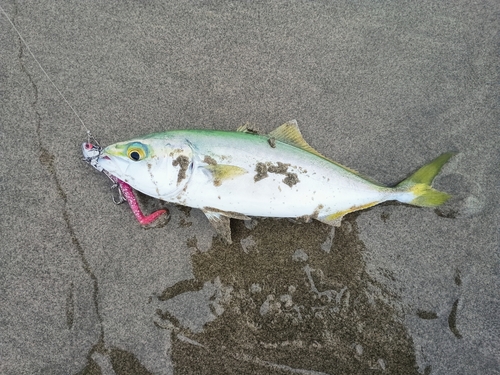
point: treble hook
(121, 198)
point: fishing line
(89, 134)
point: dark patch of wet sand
(275, 317)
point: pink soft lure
(90, 155)
(129, 196)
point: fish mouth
(93, 155)
(113, 166)
(97, 158)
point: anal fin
(335, 219)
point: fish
(242, 174)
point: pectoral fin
(222, 172)
(220, 220)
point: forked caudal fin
(419, 184)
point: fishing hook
(120, 198)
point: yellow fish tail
(419, 184)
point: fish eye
(134, 155)
(136, 152)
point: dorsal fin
(248, 128)
(289, 133)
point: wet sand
(381, 87)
